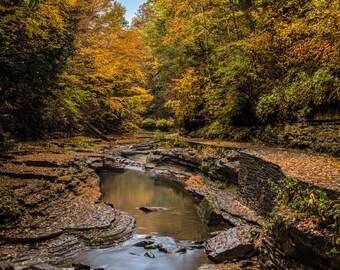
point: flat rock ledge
(51, 207)
(243, 202)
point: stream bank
(230, 186)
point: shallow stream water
(177, 226)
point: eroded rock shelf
(52, 208)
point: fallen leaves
(318, 169)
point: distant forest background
(203, 66)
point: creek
(176, 228)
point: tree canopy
(67, 64)
(243, 62)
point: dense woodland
(67, 65)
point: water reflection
(132, 189)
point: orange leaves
(116, 56)
(195, 181)
(302, 32)
(185, 94)
(115, 105)
(109, 63)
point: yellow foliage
(110, 61)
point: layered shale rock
(52, 202)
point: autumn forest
(200, 134)
(203, 66)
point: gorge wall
(285, 244)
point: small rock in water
(80, 266)
(153, 246)
(134, 254)
(196, 246)
(181, 250)
(163, 249)
(144, 243)
(148, 209)
(149, 254)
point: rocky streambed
(52, 209)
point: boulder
(235, 243)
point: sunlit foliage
(242, 62)
(70, 64)
(66, 64)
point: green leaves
(35, 42)
(211, 64)
(308, 199)
(65, 63)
